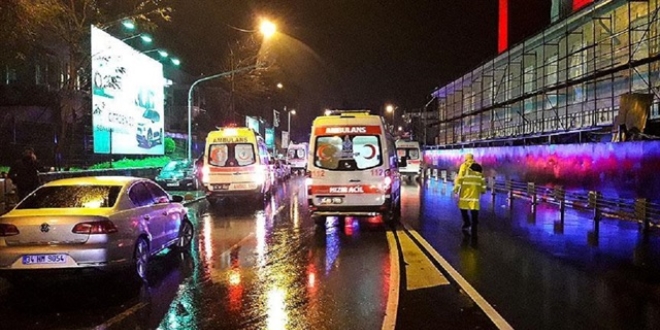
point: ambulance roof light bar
(337, 112)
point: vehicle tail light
(94, 228)
(260, 175)
(8, 230)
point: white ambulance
(296, 156)
(352, 167)
(413, 154)
(236, 164)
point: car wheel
(141, 259)
(186, 233)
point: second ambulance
(353, 167)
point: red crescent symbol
(373, 151)
(243, 155)
(319, 152)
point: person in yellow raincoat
(469, 160)
(469, 187)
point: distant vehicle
(296, 155)
(236, 164)
(149, 129)
(102, 223)
(413, 154)
(353, 168)
(178, 174)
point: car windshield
(351, 152)
(231, 154)
(88, 196)
(176, 166)
(411, 153)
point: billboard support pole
(190, 90)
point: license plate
(173, 184)
(220, 187)
(44, 259)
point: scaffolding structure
(558, 84)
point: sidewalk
(531, 267)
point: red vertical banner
(503, 27)
(579, 4)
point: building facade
(563, 85)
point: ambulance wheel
(393, 216)
(319, 220)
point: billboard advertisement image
(127, 98)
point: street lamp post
(291, 112)
(190, 90)
(390, 108)
(267, 29)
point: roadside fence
(640, 210)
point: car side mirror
(177, 199)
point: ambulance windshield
(348, 152)
(411, 153)
(231, 154)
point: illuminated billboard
(127, 98)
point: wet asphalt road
(268, 267)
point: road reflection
(254, 266)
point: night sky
(354, 53)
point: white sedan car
(86, 223)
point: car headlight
(206, 174)
(259, 177)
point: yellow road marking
(389, 321)
(420, 271)
(488, 309)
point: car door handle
(146, 217)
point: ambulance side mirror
(403, 161)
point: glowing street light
(267, 28)
(128, 24)
(280, 86)
(176, 61)
(391, 109)
(291, 112)
(328, 112)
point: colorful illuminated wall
(625, 170)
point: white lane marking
(120, 317)
(389, 321)
(494, 316)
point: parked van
(296, 155)
(236, 164)
(411, 151)
(352, 167)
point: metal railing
(639, 210)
